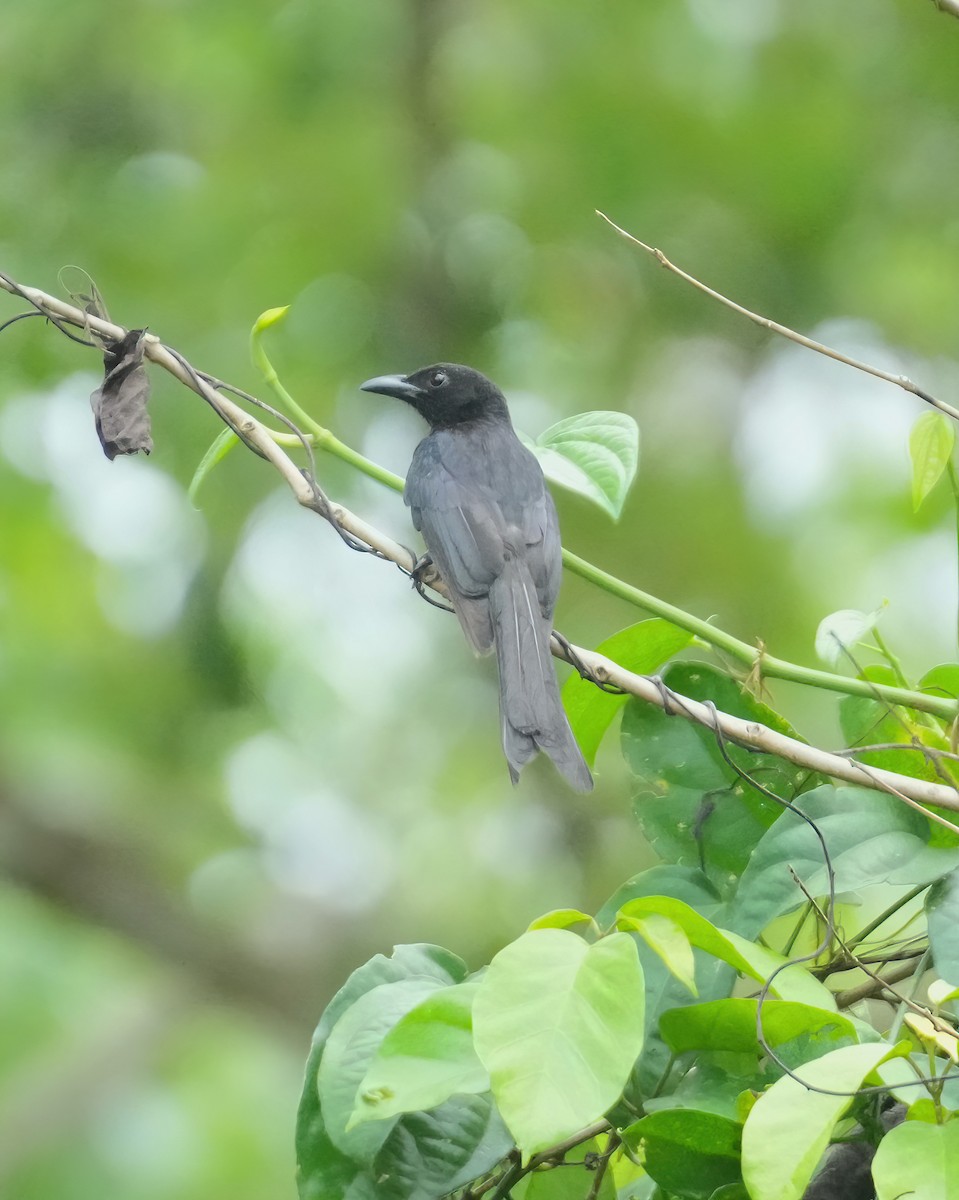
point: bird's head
(446, 394)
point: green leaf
(942, 915)
(870, 722)
(900, 1075)
(220, 448)
(594, 454)
(730, 1024)
(322, 1170)
(429, 1154)
(942, 991)
(691, 805)
(918, 1161)
(687, 1152)
(687, 884)
(663, 990)
(792, 983)
(842, 630)
(641, 648)
(943, 680)
(425, 1058)
(872, 838)
(353, 1042)
(564, 918)
(708, 1087)
(667, 939)
(558, 1024)
(930, 448)
(269, 318)
(789, 1126)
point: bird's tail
(531, 712)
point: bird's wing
(464, 531)
(543, 549)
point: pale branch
(760, 663)
(774, 326)
(599, 669)
(948, 6)
(760, 737)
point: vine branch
(268, 444)
(596, 667)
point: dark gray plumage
(479, 498)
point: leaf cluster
(684, 1042)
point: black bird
(479, 498)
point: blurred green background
(236, 759)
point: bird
(479, 498)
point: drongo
(479, 498)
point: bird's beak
(397, 386)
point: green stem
(791, 941)
(923, 719)
(319, 435)
(743, 652)
(332, 444)
(890, 658)
(750, 656)
(883, 917)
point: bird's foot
(585, 672)
(423, 571)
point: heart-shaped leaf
(594, 454)
(841, 630)
(930, 448)
(558, 1023)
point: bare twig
(774, 326)
(876, 985)
(599, 669)
(930, 752)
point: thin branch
(600, 670)
(774, 326)
(930, 752)
(262, 441)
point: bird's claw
(422, 568)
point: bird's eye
(437, 379)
